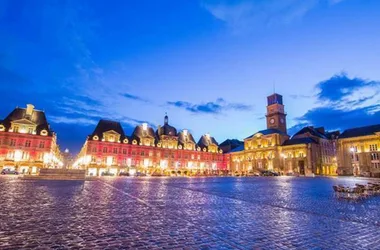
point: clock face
(282, 120)
(271, 121)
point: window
(13, 142)
(42, 144)
(15, 129)
(94, 149)
(376, 165)
(104, 150)
(115, 150)
(124, 151)
(25, 155)
(301, 155)
(374, 156)
(373, 147)
(30, 130)
(142, 153)
(27, 143)
(10, 155)
(355, 157)
(93, 158)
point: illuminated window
(10, 154)
(373, 147)
(301, 155)
(15, 129)
(374, 156)
(25, 155)
(30, 130)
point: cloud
(242, 15)
(69, 120)
(343, 103)
(133, 97)
(216, 107)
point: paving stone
(186, 213)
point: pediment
(111, 132)
(24, 122)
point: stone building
(108, 150)
(27, 143)
(309, 151)
(358, 151)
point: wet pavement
(190, 213)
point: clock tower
(276, 117)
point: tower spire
(166, 120)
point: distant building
(67, 158)
(359, 151)
(27, 142)
(108, 150)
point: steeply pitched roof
(361, 131)
(297, 141)
(205, 141)
(268, 132)
(140, 133)
(231, 142)
(182, 138)
(107, 125)
(318, 132)
(237, 149)
(38, 117)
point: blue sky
(208, 63)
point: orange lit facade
(311, 151)
(108, 151)
(27, 142)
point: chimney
(29, 109)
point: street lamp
(353, 151)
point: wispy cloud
(69, 120)
(215, 107)
(134, 97)
(242, 15)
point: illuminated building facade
(359, 151)
(309, 151)
(108, 150)
(27, 142)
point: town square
(197, 124)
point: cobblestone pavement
(190, 213)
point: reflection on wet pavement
(207, 213)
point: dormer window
(44, 132)
(125, 141)
(2, 128)
(95, 138)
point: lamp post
(355, 170)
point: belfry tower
(276, 117)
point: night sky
(208, 63)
